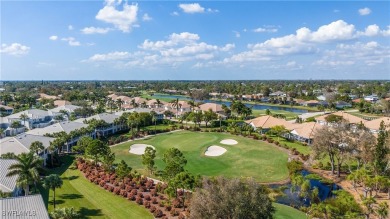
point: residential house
(304, 132)
(36, 118)
(8, 183)
(323, 103)
(371, 98)
(342, 105)
(112, 127)
(311, 103)
(265, 123)
(351, 119)
(374, 124)
(29, 207)
(183, 107)
(321, 98)
(278, 94)
(58, 103)
(65, 108)
(6, 110)
(22, 142)
(66, 127)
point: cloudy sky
(156, 40)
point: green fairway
(249, 158)
(89, 199)
(289, 115)
(287, 212)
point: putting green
(248, 158)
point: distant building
(6, 110)
(61, 103)
(8, 183)
(371, 98)
(342, 105)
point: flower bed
(141, 190)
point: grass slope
(89, 199)
(249, 158)
(287, 212)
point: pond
(292, 198)
(227, 103)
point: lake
(227, 103)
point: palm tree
(158, 102)
(177, 105)
(52, 182)
(154, 120)
(27, 169)
(192, 105)
(119, 103)
(24, 117)
(110, 103)
(36, 147)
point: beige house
(265, 123)
(217, 108)
(351, 119)
(374, 125)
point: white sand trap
(139, 149)
(229, 142)
(214, 151)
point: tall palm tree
(27, 169)
(119, 103)
(110, 103)
(52, 182)
(36, 147)
(24, 117)
(192, 104)
(177, 105)
(158, 102)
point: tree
(36, 147)
(148, 159)
(208, 116)
(279, 130)
(323, 145)
(64, 213)
(381, 150)
(177, 105)
(268, 112)
(333, 118)
(122, 170)
(27, 170)
(174, 162)
(119, 102)
(383, 210)
(96, 149)
(52, 182)
(24, 117)
(183, 181)
(196, 117)
(231, 198)
(108, 161)
(82, 144)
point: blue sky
(155, 40)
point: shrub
(158, 213)
(152, 209)
(176, 203)
(102, 183)
(139, 200)
(154, 200)
(147, 197)
(182, 216)
(147, 204)
(116, 191)
(123, 193)
(276, 143)
(168, 207)
(153, 192)
(174, 212)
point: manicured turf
(89, 199)
(289, 115)
(249, 158)
(287, 212)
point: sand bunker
(214, 151)
(139, 149)
(229, 142)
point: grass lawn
(249, 158)
(289, 115)
(302, 149)
(89, 199)
(287, 212)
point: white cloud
(237, 34)
(192, 8)
(175, 13)
(70, 27)
(94, 30)
(336, 11)
(71, 41)
(146, 17)
(15, 49)
(113, 56)
(53, 37)
(265, 30)
(122, 20)
(364, 11)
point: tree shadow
(70, 178)
(71, 196)
(87, 212)
(58, 202)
